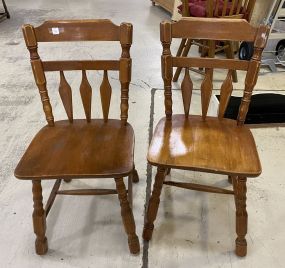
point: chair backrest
(211, 29)
(81, 30)
(239, 9)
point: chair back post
(166, 66)
(252, 73)
(38, 71)
(126, 37)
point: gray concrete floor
(193, 229)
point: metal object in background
(274, 53)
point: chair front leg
(39, 219)
(154, 203)
(241, 216)
(127, 216)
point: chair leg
(230, 179)
(184, 54)
(127, 216)
(153, 203)
(6, 9)
(67, 180)
(39, 219)
(241, 216)
(135, 176)
(231, 55)
(168, 171)
(181, 46)
(130, 190)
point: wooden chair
(79, 148)
(203, 143)
(238, 9)
(6, 12)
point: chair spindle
(186, 88)
(66, 96)
(226, 91)
(206, 92)
(105, 92)
(86, 95)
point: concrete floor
(193, 229)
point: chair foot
(135, 176)
(39, 219)
(67, 180)
(127, 217)
(147, 231)
(41, 246)
(241, 247)
(134, 244)
(154, 203)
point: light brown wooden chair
(204, 143)
(81, 148)
(238, 9)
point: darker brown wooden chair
(6, 12)
(235, 9)
(81, 148)
(204, 143)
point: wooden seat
(192, 143)
(81, 148)
(239, 9)
(205, 143)
(75, 151)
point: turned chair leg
(130, 190)
(39, 219)
(127, 216)
(185, 52)
(135, 176)
(241, 215)
(154, 203)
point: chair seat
(79, 150)
(215, 146)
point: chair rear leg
(130, 190)
(185, 52)
(181, 46)
(127, 216)
(39, 219)
(241, 216)
(168, 171)
(153, 203)
(230, 179)
(231, 55)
